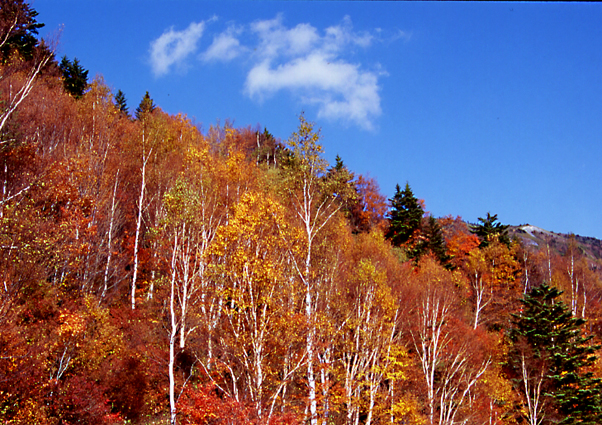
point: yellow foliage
(407, 410)
(251, 249)
(71, 324)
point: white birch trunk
(110, 239)
(481, 302)
(172, 335)
(14, 100)
(139, 222)
(533, 394)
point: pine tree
(121, 102)
(338, 183)
(405, 216)
(435, 243)
(75, 77)
(18, 29)
(490, 229)
(338, 177)
(146, 106)
(550, 339)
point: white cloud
(172, 47)
(314, 70)
(276, 40)
(312, 65)
(225, 46)
(340, 35)
(342, 91)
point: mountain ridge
(538, 237)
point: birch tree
(314, 204)
(146, 154)
(367, 335)
(255, 267)
(450, 368)
(478, 275)
(173, 331)
(156, 153)
(22, 57)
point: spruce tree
(121, 102)
(19, 29)
(435, 243)
(75, 77)
(490, 229)
(339, 175)
(146, 106)
(547, 334)
(405, 216)
(338, 183)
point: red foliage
(79, 400)
(368, 211)
(207, 406)
(458, 239)
(128, 385)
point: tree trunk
(172, 336)
(14, 100)
(139, 222)
(110, 239)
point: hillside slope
(558, 242)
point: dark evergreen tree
(18, 29)
(339, 174)
(75, 77)
(489, 230)
(434, 242)
(339, 184)
(551, 340)
(338, 165)
(121, 102)
(405, 216)
(146, 106)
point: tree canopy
(490, 229)
(156, 272)
(18, 29)
(405, 216)
(551, 356)
(145, 107)
(75, 77)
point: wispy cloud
(172, 47)
(225, 46)
(313, 68)
(275, 40)
(312, 65)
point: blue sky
(479, 106)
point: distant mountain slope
(538, 237)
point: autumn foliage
(153, 272)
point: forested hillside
(558, 242)
(152, 272)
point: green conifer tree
(121, 102)
(75, 77)
(489, 230)
(146, 107)
(338, 183)
(405, 216)
(339, 174)
(434, 242)
(547, 334)
(18, 29)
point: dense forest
(152, 272)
